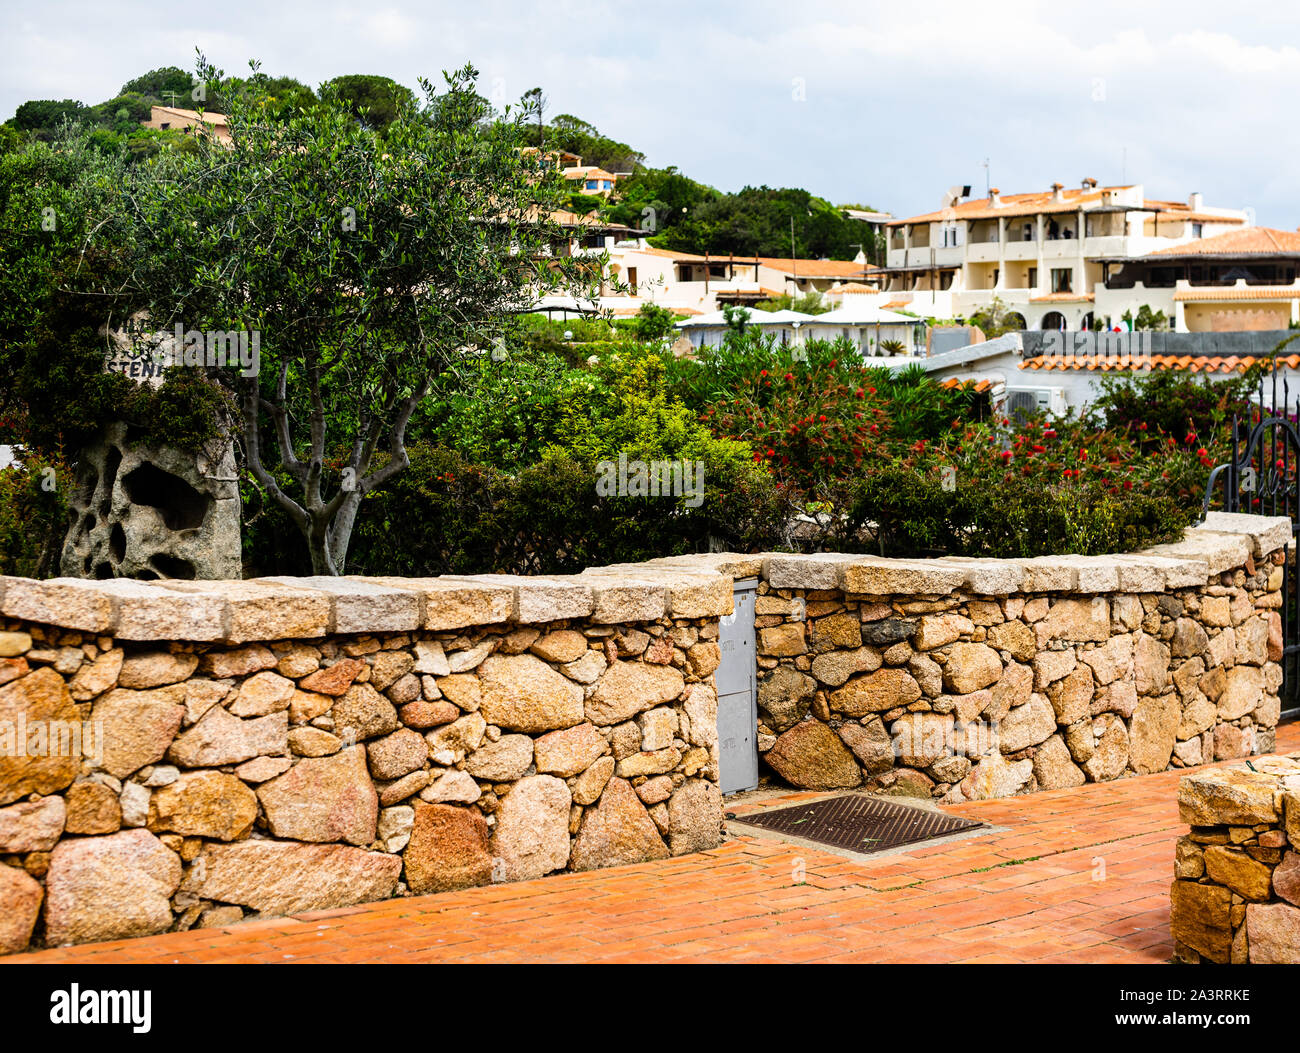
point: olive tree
(368, 265)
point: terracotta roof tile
(1042, 202)
(977, 385)
(1233, 292)
(1123, 363)
(1263, 241)
(1063, 297)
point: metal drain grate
(858, 823)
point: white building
(1038, 253)
(871, 329)
(691, 283)
(709, 330)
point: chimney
(1088, 183)
(1056, 192)
(994, 200)
(1195, 201)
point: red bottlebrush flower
(1006, 455)
(1202, 452)
(871, 391)
(1083, 454)
(789, 376)
(767, 383)
(874, 428)
(1142, 426)
(758, 456)
(834, 362)
(762, 372)
(771, 453)
(1049, 433)
(857, 416)
(1038, 449)
(1191, 438)
(858, 394)
(821, 419)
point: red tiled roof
(1233, 292)
(1043, 202)
(977, 385)
(1063, 297)
(1253, 241)
(1123, 363)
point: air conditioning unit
(1028, 401)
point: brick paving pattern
(1077, 875)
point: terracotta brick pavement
(1073, 876)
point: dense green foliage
(513, 421)
(372, 266)
(54, 276)
(567, 132)
(373, 99)
(756, 221)
(33, 516)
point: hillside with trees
(676, 211)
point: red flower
(762, 372)
(871, 391)
(858, 393)
(1049, 433)
(821, 419)
(1202, 452)
(789, 376)
(1006, 455)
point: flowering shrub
(814, 413)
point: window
(631, 278)
(1196, 230)
(994, 283)
(1028, 232)
(1032, 281)
(1061, 277)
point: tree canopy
(371, 269)
(372, 98)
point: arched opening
(1053, 320)
(1016, 320)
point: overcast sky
(887, 104)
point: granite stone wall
(179, 753)
(1236, 893)
(967, 679)
(188, 755)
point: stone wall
(194, 753)
(963, 679)
(263, 748)
(1236, 893)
